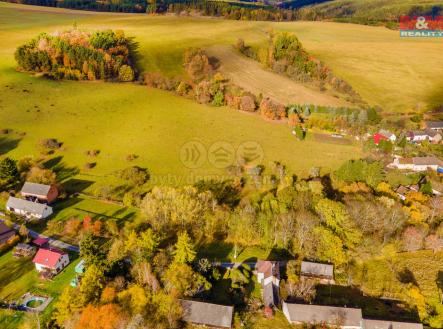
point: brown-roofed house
(39, 192)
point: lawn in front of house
(19, 276)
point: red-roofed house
(50, 260)
(385, 136)
(378, 138)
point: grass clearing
(251, 76)
(120, 119)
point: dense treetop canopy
(79, 55)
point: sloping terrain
(372, 11)
(251, 76)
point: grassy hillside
(372, 11)
(123, 119)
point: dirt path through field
(251, 76)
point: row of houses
(221, 316)
(432, 133)
(268, 275)
(340, 317)
(34, 201)
(418, 163)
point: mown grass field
(122, 119)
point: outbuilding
(323, 272)
(207, 314)
(39, 192)
(341, 317)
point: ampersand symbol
(421, 23)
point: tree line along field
(119, 119)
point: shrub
(126, 73)
(184, 89)
(233, 101)
(299, 132)
(135, 175)
(157, 80)
(247, 103)
(93, 153)
(219, 99)
(203, 92)
(41, 176)
(131, 157)
(272, 109)
(197, 64)
(89, 165)
(50, 144)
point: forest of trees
(78, 55)
(128, 6)
(247, 10)
(136, 270)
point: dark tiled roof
(343, 316)
(317, 269)
(207, 314)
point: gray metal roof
(317, 269)
(207, 314)
(35, 189)
(426, 132)
(427, 161)
(342, 316)
(434, 124)
(25, 205)
(379, 324)
(269, 295)
(385, 133)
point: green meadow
(123, 119)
